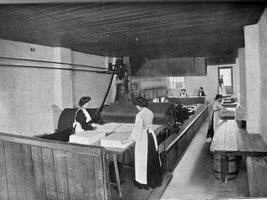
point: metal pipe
(51, 62)
(58, 68)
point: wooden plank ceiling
(150, 30)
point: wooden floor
(131, 192)
(194, 178)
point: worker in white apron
(82, 119)
(147, 161)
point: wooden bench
(229, 144)
(255, 148)
(257, 175)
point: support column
(263, 63)
(237, 79)
(63, 78)
(241, 84)
(253, 78)
(63, 94)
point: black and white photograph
(133, 99)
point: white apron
(222, 90)
(77, 125)
(143, 122)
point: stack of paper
(87, 137)
(108, 127)
(125, 127)
(115, 140)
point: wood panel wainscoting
(33, 168)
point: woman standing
(82, 119)
(222, 90)
(147, 161)
(216, 108)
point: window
(176, 82)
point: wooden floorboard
(49, 173)
(129, 190)
(253, 184)
(3, 173)
(61, 175)
(19, 171)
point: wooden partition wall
(176, 145)
(38, 169)
(186, 100)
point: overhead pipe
(50, 62)
(58, 68)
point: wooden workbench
(229, 143)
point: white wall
(256, 76)
(253, 79)
(27, 94)
(192, 83)
(208, 82)
(94, 85)
(241, 84)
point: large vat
(125, 112)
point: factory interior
(200, 67)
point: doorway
(227, 74)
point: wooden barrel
(233, 167)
